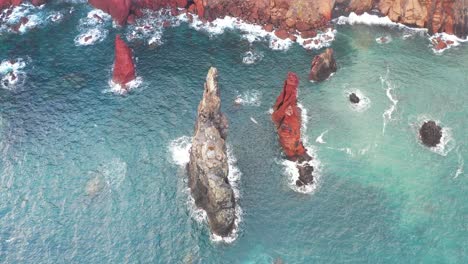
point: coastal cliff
(307, 16)
(208, 168)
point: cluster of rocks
(290, 17)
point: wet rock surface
(208, 167)
(323, 66)
(287, 118)
(430, 133)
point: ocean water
(92, 176)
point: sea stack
(430, 133)
(124, 68)
(287, 118)
(323, 66)
(208, 167)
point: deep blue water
(381, 197)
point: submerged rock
(430, 133)
(124, 69)
(287, 118)
(322, 66)
(208, 167)
(353, 98)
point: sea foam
(249, 97)
(452, 40)
(116, 88)
(447, 142)
(93, 28)
(12, 74)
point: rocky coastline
(288, 17)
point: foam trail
(253, 120)
(461, 164)
(179, 149)
(387, 115)
(320, 138)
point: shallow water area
(90, 176)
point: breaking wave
(122, 90)
(93, 28)
(249, 97)
(290, 167)
(252, 57)
(447, 142)
(449, 40)
(12, 73)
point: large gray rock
(208, 167)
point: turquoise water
(88, 176)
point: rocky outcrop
(353, 98)
(287, 118)
(118, 9)
(450, 16)
(8, 3)
(430, 133)
(322, 66)
(208, 167)
(124, 68)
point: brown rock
(281, 33)
(322, 66)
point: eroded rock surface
(430, 133)
(208, 167)
(287, 118)
(124, 68)
(323, 66)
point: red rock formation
(124, 69)
(322, 66)
(287, 118)
(118, 9)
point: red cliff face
(118, 9)
(287, 118)
(124, 69)
(305, 15)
